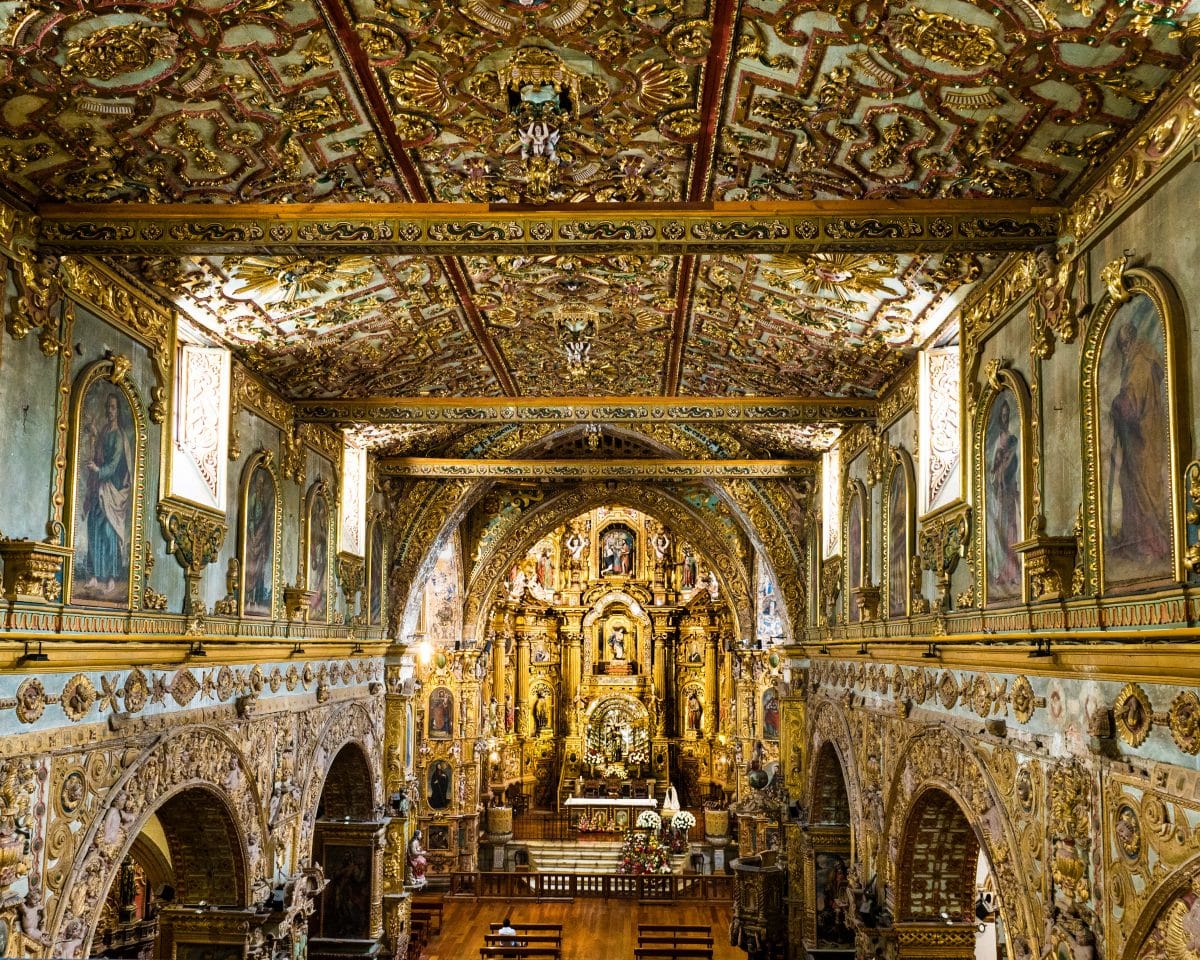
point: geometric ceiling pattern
(553, 102)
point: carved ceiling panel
(349, 326)
(836, 324)
(791, 440)
(578, 326)
(542, 99)
(935, 98)
(189, 101)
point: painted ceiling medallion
(286, 280)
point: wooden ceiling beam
(605, 469)
(482, 411)
(440, 229)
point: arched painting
(106, 465)
(441, 714)
(854, 549)
(897, 543)
(318, 554)
(618, 552)
(770, 705)
(1003, 497)
(441, 776)
(1134, 446)
(375, 574)
(259, 530)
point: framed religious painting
(618, 551)
(318, 536)
(441, 714)
(856, 540)
(259, 532)
(1002, 484)
(106, 483)
(376, 575)
(899, 534)
(1132, 515)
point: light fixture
(297, 649)
(39, 657)
(357, 648)
(197, 649)
(425, 652)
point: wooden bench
(673, 928)
(427, 910)
(552, 927)
(673, 953)
(682, 939)
(526, 939)
(520, 953)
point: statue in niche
(616, 641)
(695, 712)
(416, 860)
(541, 713)
(690, 572)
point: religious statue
(661, 544)
(576, 543)
(494, 716)
(541, 714)
(416, 861)
(509, 713)
(688, 576)
(695, 712)
(616, 642)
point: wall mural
(259, 537)
(1003, 492)
(1134, 446)
(106, 468)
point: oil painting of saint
(1135, 461)
(440, 776)
(898, 544)
(441, 714)
(105, 474)
(770, 701)
(258, 561)
(375, 583)
(854, 551)
(1002, 502)
(617, 552)
(318, 557)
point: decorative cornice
(435, 229)
(481, 411)
(624, 469)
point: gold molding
(483, 411)
(194, 538)
(435, 229)
(621, 468)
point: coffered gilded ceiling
(612, 103)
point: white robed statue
(670, 805)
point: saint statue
(616, 642)
(541, 714)
(695, 712)
(416, 861)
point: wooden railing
(609, 886)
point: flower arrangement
(683, 821)
(649, 820)
(638, 755)
(644, 853)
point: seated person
(508, 933)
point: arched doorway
(830, 925)
(188, 853)
(347, 844)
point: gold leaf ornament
(113, 51)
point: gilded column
(572, 653)
(521, 697)
(396, 903)
(711, 705)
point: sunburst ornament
(289, 279)
(836, 275)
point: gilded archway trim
(1178, 882)
(196, 757)
(936, 757)
(831, 725)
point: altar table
(619, 813)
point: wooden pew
(672, 928)
(673, 953)
(519, 953)
(427, 912)
(540, 926)
(523, 939)
(682, 940)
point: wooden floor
(592, 929)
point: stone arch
(345, 725)
(1160, 912)
(197, 758)
(939, 854)
(733, 575)
(937, 757)
(433, 508)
